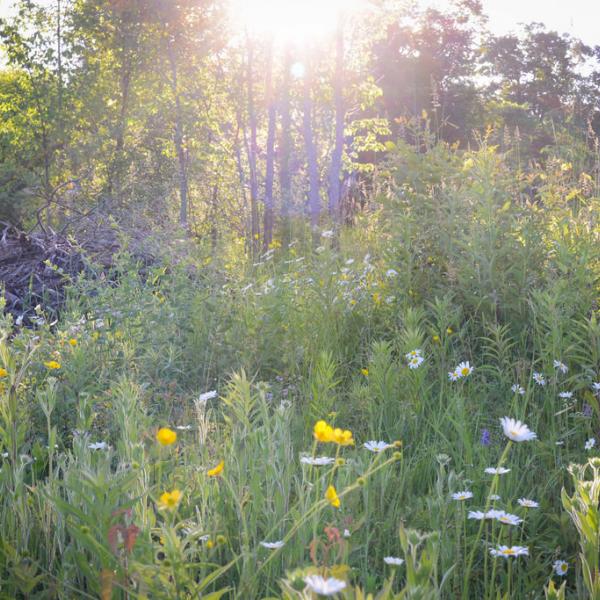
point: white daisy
(464, 368)
(560, 567)
(98, 446)
(462, 495)
(494, 497)
(416, 362)
(539, 379)
(317, 461)
(497, 470)
(517, 389)
(526, 503)
(590, 443)
(508, 551)
(273, 545)
(494, 514)
(377, 446)
(560, 366)
(413, 354)
(207, 396)
(509, 519)
(393, 560)
(477, 515)
(517, 431)
(324, 587)
(596, 387)
(565, 395)
(453, 376)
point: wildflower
(497, 470)
(3, 372)
(517, 431)
(323, 432)
(204, 397)
(52, 365)
(590, 443)
(517, 389)
(343, 437)
(596, 387)
(324, 587)
(565, 395)
(327, 234)
(346, 533)
(393, 560)
(391, 273)
(526, 503)
(413, 354)
(332, 497)
(464, 368)
(539, 379)
(494, 497)
(169, 500)
(477, 515)
(453, 376)
(560, 366)
(436, 339)
(485, 437)
(166, 436)
(73, 342)
(365, 372)
(507, 551)
(216, 470)
(377, 446)
(273, 545)
(449, 331)
(416, 362)
(560, 567)
(317, 461)
(509, 519)
(98, 446)
(461, 496)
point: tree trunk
(285, 144)
(269, 173)
(252, 147)
(178, 139)
(336, 157)
(314, 200)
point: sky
(580, 18)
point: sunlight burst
(290, 20)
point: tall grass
(453, 260)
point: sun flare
(290, 20)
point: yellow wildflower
(332, 497)
(73, 342)
(166, 436)
(436, 339)
(449, 331)
(52, 365)
(365, 372)
(3, 372)
(169, 500)
(323, 432)
(343, 437)
(217, 470)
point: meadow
(323, 422)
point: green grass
(480, 274)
